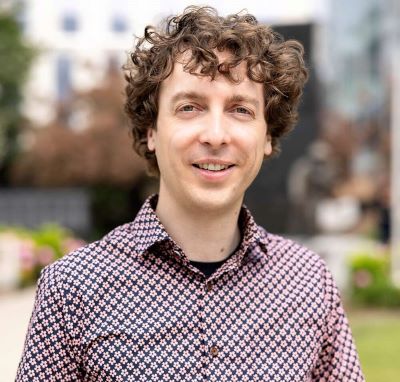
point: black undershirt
(208, 268)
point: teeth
(212, 166)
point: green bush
(51, 236)
(370, 281)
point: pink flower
(362, 278)
(45, 255)
(71, 244)
(27, 256)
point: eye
(186, 108)
(242, 110)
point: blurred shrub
(23, 252)
(87, 144)
(370, 281)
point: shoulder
(93, 261)
(297, 267)
(279, 246)
(293, 257)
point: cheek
(250, 145)
(180, 141)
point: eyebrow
(188, 95)
(193, 95)
(241, 98)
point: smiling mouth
(213, 166)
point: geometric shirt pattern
(131, 307)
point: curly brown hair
(270, 60)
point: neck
(203, 236)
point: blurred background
(68, 173)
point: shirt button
(214, 351)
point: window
(63, 77)
(69, 23)
(119, 24)
(21, 18)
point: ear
(151, 135)
(268, 146)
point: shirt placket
(211, 350)
(213, 343)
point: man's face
(210, 140)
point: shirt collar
(252, 234)
(147, 230)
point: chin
(215, 200)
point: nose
(215, 132)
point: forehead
(181, 80)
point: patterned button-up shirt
(131, 307)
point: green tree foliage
(15, 59)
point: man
(193, 289)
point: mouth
(215, 167)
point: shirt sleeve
(338, 359)
(49, 352)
